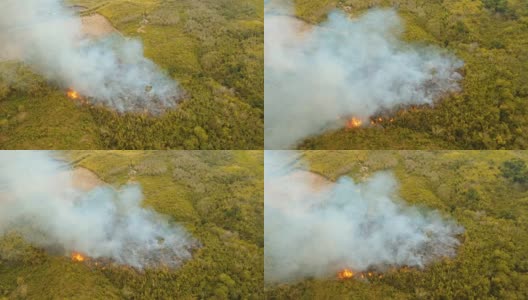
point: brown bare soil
(97, 26)
(85, 179)
(316, 182)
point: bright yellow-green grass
(216, 195)
(490, 36)
(472, 187)
(213, 48)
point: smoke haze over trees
(317, 231)
(466, 186)
(40, 200)
(316, 76)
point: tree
(499, 6)
(515, 170)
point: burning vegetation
(138, 105)
(77, 257)
(349, 274)
(72, 94)
(357, 123)
(353, 123)
(162, 258)
(345, 274)
(76, 96)
(382, 119)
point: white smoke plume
(315, 229)
(39, 200)
(47, 35)
(342, 68)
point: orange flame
(353, 123)
(77, 257)
(72, 94)
(345, 274)
(380, 120)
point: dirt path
(283, 196)
(316, 182)
(96, 26)
(85, 179)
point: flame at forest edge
(348, 274)
(77, 257)
(72, 94)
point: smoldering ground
(39, 200)
(315, 229)
(315, 75)
(110, 70)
